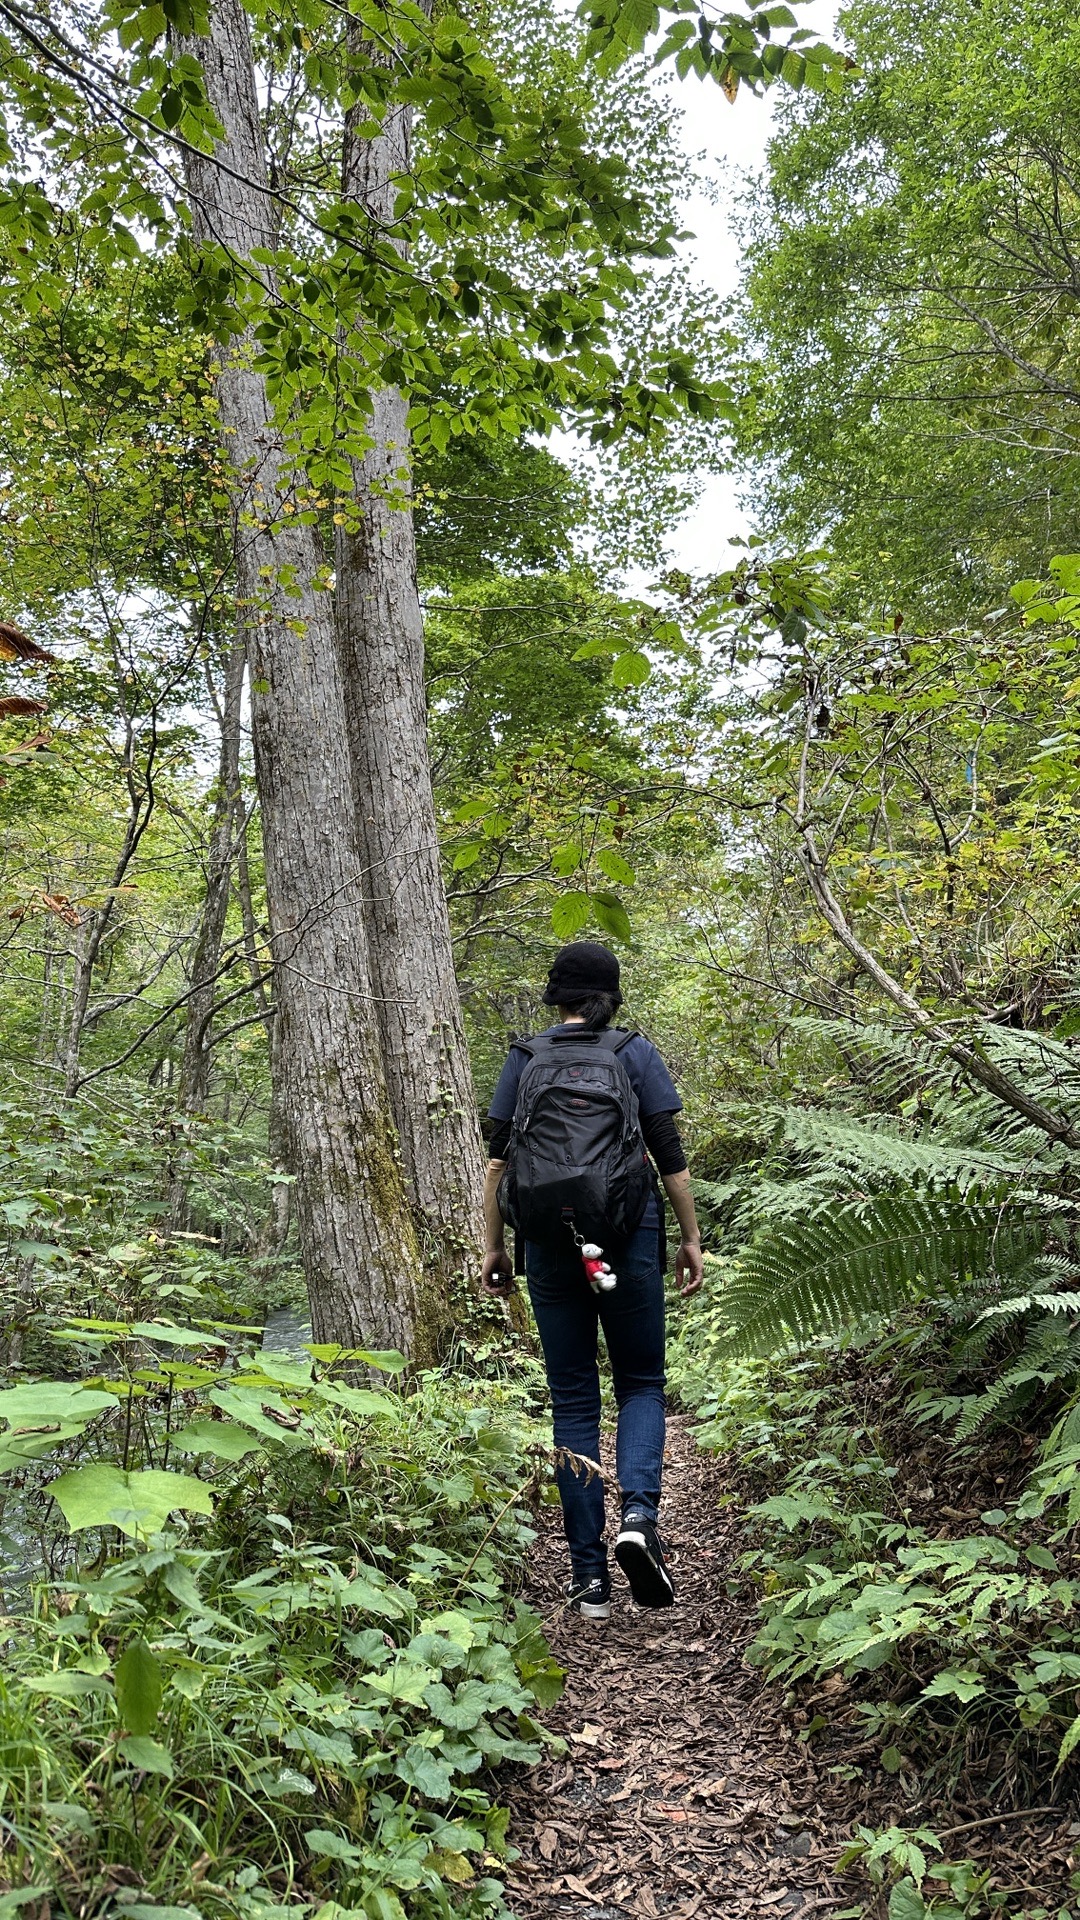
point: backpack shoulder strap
(621, 1037)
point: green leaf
(170, 1335)
(593, 648)
(138, 1687)
(630, 669)
(906, 1902)
(66, 1685)
(1069, 1743)
(140, 1502)
(958, 1683)
(570, 913)
(612, 916)
(332, 1846)
(461, 1710)
(363, 1402)
(222, 1438)
(147, 1910)
(612, 863)
(565, 861)
(147, 1755)
(420, 1769)
(39, 1402)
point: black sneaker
(640, 1553)
(591, 1598)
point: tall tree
(358, 1242)
(381, 632)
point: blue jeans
(568, 1314)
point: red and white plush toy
(599, 1275)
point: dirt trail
(684, 1791)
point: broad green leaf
(420, 1769)
(383, 1359)
(246, 1404)
(39, 1403)
(148, 1910)
(364, 1402)
(615, 866)
(381, 1904)
(138, 1687)
(148, 1755)
(170, 1335)
(906, 1902)
(365, 1591)
(332, 1846)
(631, 669)
(66, 1685)
(139, 1502)
(402, 1681)
(570, 913)
(222, 1438)
(612, 916)
(461, 1710)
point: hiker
(573, 1112)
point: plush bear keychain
(600, 1276)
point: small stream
(285, 1331)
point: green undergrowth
(281, 1655)
(916, 1593)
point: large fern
(879, 1149)
(841, 1268)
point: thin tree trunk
(195, 1070)
(355, 1231)
(381, 636)
(96, 925)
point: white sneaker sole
(650, 1583)
(594, 1609)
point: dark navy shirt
(645, 1071)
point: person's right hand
(689, 1268)
(497, 1273)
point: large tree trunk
(381, 635)
(355, 1229)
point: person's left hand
(497, 1273)
(689, 1268)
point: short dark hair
(596, 1009)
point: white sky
(733, 139)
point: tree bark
(355, 1229)
(381, 637)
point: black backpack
(576, 1159)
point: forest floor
(685, 1791)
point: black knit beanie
(583, 967)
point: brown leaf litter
(685, 1792)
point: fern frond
(1023, 1302)
(879, 1148)
(849, 1266)
(1050, 1355)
